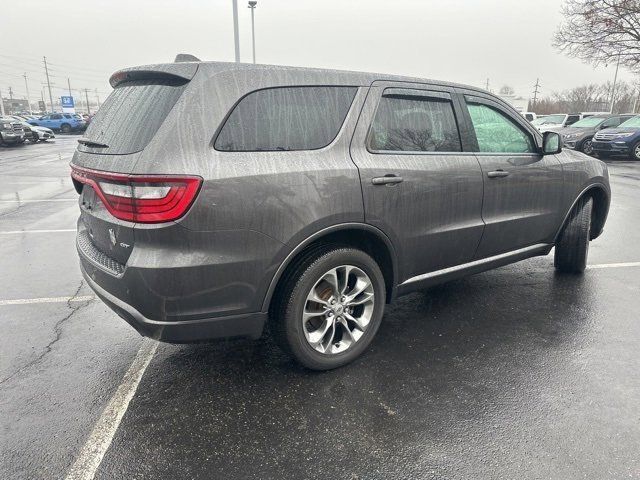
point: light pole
(613, 88)
(26, 84)
(236, 35)
(252, 6)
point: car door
(522, 188)
(44, 121)
(54, 121)
(418, 186)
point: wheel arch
(601, 200)
(358, 235)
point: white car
(41, 133)
(551, 123)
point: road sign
(68, 105)
(67, 102)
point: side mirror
(551, 143)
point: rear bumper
(245, 325)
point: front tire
(635, 152)
(572, 247)
(329, 307)
(587, 146)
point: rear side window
(497, 133)
(414, 124)
(286, 118)
(130, 117)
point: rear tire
(335, 330)
(65, 128)
(34, 138)
(572, 247)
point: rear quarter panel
(254, 207)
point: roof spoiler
(179, 73)
(186, 57)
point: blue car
(622, 140)
(62, 122)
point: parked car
(11, 131)
(623, 140)
(63, 122)
(555, 122)
(42, 134)
(531, 116)
(28, 129)
(579, 136)
(310, 198)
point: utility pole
(535, 91)
(10, 93)
(86, 96)
(252, 6)
(69, 85)
(46, 71)
(635, 103)
(1, 105)
(486, 87)
(236, 35)
(615, 79)
(98, 98)
(26, 84)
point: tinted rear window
(131, 115)
(286, 118)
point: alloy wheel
(338, 309)
(587, 147)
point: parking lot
(515, 373)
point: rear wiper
(92, 143)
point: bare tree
(598, 31)
(506, 90)
(589, 98)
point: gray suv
(579, 136)
(219, 198)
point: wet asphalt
(514, 373)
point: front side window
(414, 124)
(496, 133)
(571, 119)
(286, 118)
(612, 122)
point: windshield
(632, 122)
(131, 116)
(589, 122)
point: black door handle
(497, 174)
(387, 180)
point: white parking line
(92, 453)
(17, 232)
(614, 265)
(27, 301)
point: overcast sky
(466, 41)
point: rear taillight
(141, 198)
